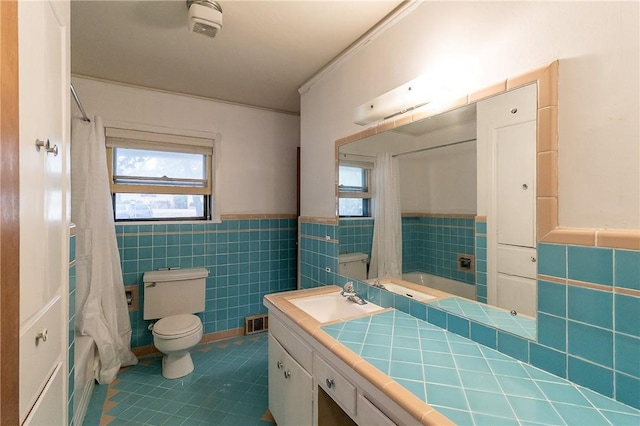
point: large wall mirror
(459, 187)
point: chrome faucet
(349, 292)
(377, 284)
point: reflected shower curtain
(101, 306)
(386, 252)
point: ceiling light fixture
(205, 17)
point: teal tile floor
(516, 324)
(229, 386)
(469, 383)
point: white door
(507, 196)
(44, 116)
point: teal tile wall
(71, 327)
(429, 244)
(356, 235)
(572, 320)
(432, 245)
(590, 335)
(246, 259)
(318, 255)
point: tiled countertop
(468, 383)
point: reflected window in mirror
(354, 189)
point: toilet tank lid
(352, 257)
(174, 275)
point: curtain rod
(75, 96)
(434, 147)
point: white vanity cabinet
(300, 368)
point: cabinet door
(299, 395)
(290, 388)
(277, 356)
(515, 184)
(44, 115)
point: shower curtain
(101, 307)
(386, 251)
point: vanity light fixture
(417, 93)
(409, 96)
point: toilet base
(176, 366)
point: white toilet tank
(353, 265)
(173, 292)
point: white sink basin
(409, 292)
(332, 307)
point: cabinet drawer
(370, 415)
(518, 261)
(38, 357)
(49, 408)
(292, 343)
(336, 386)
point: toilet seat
(177, 326)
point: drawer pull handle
(287, 374)
(42, 336)
(533, 259)
(329, 383)
(279, 365)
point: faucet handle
(348, 287)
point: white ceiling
(265, 51)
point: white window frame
(367, 166)
(120, 137)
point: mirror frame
(546, 80)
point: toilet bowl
(175, 336)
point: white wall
(484, 42)
(257, 163)
(440, 181)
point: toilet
(172, 297)
(353, 265)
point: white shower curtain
(386, 251)
(101, 307)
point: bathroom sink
(409, 292)
(332, 307)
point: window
(158, 176)
(353, 189)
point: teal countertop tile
(470, 383)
